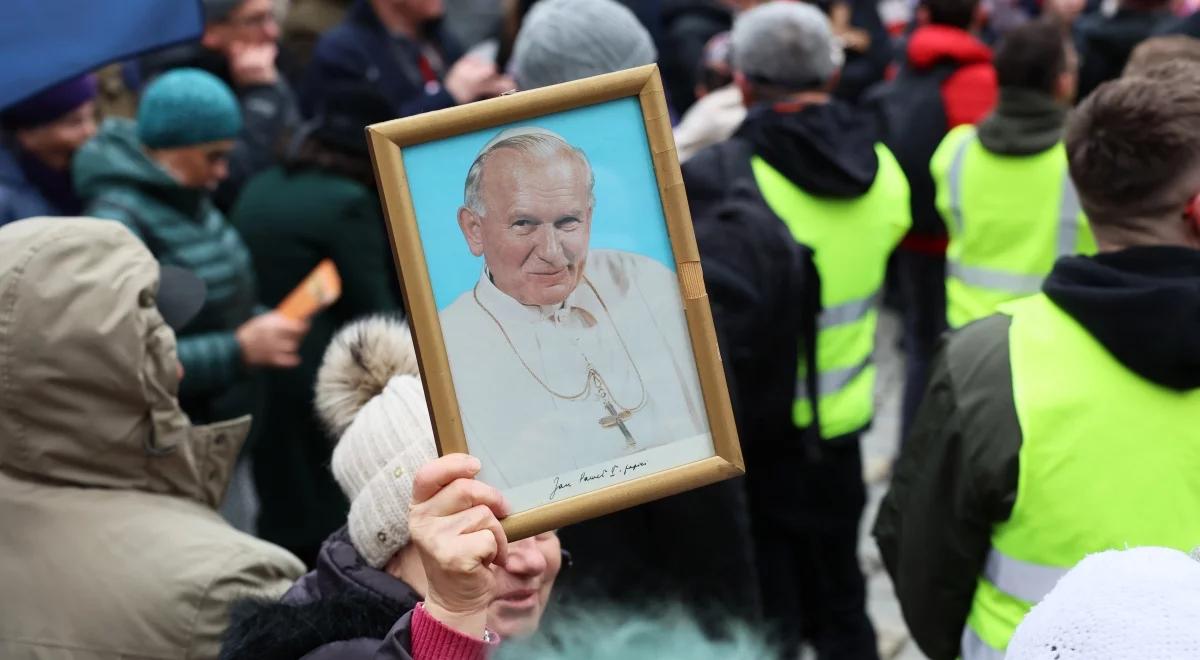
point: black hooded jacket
(342, 610)
(761, 283)
(957, 474)
(1105, 42)
(826, 149)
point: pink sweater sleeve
(433, 640)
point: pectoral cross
(617, 419)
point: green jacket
(181, 227)
(291, 220)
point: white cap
(1139, 603)
(369, 394)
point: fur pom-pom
(363, 356)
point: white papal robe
(519, 430)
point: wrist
(472, 623)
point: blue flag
(44, 42)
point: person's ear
(1065, 87)
(1191, 216)
(213, 38)
(744, 87)
(472, 229)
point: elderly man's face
(536, 224)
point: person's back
(947, 80)
(1065, 425)
(112, 545)
(1003, 189)
(321, 204)
(1105, 42)
(814, 167)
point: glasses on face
(216, 156)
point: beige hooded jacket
(110, 545)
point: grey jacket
(112, 547)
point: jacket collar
(342, 571)
(581, 303)
(930, 45)
(1142, 304)
(1025, 122)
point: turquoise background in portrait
(628, 214)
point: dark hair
(1131, 142)
(955, 13)
(312, 153)
(1033, 56)
(1159, 51)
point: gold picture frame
(386, 142)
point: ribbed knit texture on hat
(564, 40)
(1115, 605)
(186, 107)
(370, 396)
(790, 44)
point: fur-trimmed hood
(342, 610)
(358, 364)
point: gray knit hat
(785, 44)
(564, 40)
(370, 397)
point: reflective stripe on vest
(974, 648)
(1024, 580)
(832, 382)
(1021, 579)
(847, 312)
(991, 278)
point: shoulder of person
(243, 567)
(221, 555)
(706, 174)
(344, 626)
(463, 322)
(618, 266)
(345, 38)
(977, 353)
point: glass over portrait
(559, 304)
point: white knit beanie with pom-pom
(369, 395)
(1138, 603)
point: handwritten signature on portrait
(609, 473)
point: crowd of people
(188, 472)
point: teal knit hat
(185, 107)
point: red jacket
(970, 93)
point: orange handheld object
(320, 289)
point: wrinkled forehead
(508, 170)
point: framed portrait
(556, 299)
